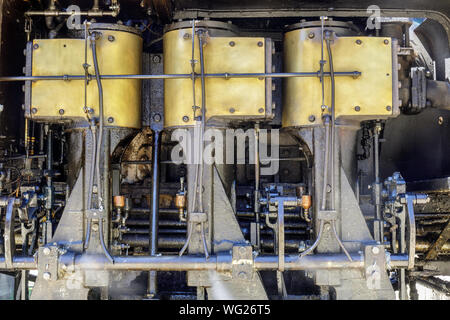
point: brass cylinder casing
(118, 52)
(368, 96)
(233, 99)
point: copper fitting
(306, 201)
(119, 201)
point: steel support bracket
(242, 262)
(374, 264)
(48, 258)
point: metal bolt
(261, 110)
(311, 118)
(110, 120)
(61, 111)
(358, 41)
(95, 227)
(47, 276)
(36, 46)
(46, 251)
(357, 108)
(388, 108)
(311, 35)
(242, 251)
(157, 117)
(111, 38)
(242, 275)
(260, 44)
(156, 59)
(386, 41)
(232, 43)
(440, 120)
(232, 110)
(186, 36)
(185, 118)
(375, 250)
(34, 110)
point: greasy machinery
(183, 150)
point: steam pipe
(215, 262)
(180, 76)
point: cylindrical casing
(119, 52)
(368, 96)
(224, 52)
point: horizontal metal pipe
(216, 262)
(55, 13)
(178, 76)
(20, 263)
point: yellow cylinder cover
(118, 53)
(369, 96)
(234, 98)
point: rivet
(261, 110)
(34, 110)
(36, 46)
(358, 41)
(110, 120)
(61, 111)
(260, 44)
(232, 43)
(388, 108)
(375, 250)
(311, 118)
(386, 41)
(357, 108)
(157, 117)
(111, 38)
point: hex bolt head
(157, 117)
(34, 110)
(388, 108)
(46, 251)
(311, 35)
(232, 43)
(260, 44)
(358, 41)
(110, 120)
(61, 111)
(111, 38)
(47, 276)
(185, 118)
(375, 250)
(311, 118)
(357, 108)
(386, 41)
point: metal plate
(236, 98)
(371, 92)
(122, 98)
